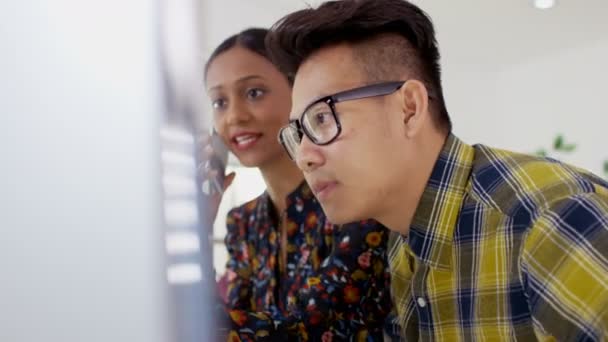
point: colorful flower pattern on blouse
(336, 281)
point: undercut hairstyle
(389, 38)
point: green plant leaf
(541, 152)
(568, 147)
(558, 142)
(606, 167)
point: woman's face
(251, 100)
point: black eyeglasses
(319, 120)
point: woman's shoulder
(246, 209)
(248, 217)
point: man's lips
(322, 189)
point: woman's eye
(218, 104)
(254, 93)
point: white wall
(470, 92)
(522, 107)
(563, 92)
(227, 17)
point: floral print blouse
(335, 284)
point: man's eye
(322, 118)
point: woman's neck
(282, 177)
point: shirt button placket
(421, 302)
(420, 297)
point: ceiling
(482, 33)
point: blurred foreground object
(83, 203)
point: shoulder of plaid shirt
(504, 246)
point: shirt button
(421, 302)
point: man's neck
(400, 206)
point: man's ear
(415, 106)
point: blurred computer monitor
(87, 248)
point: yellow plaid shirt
(502, 247)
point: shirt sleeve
(565, 269)
(238, 268)
(348, 299)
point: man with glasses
(488, 244)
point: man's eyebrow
(316, 99)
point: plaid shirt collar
(431, 234)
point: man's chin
(338, 215)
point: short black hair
(252, 39)
(388, 35)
